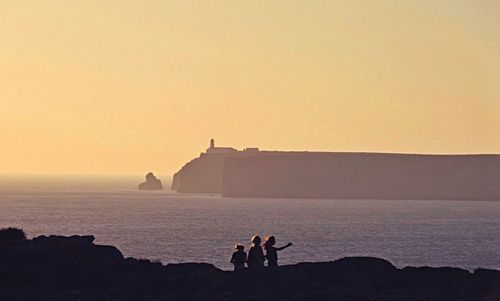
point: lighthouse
(219, 150)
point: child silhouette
(239, 258)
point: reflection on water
(186, 228)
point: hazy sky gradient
(132, 86)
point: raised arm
(284, 247)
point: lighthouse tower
(219, 150)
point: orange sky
(110, 87)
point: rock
(340, 175)
(11, 235)
(200, 175)
(56, 241)
(74, 268)
(152, 183)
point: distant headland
(204, 174)
(343, 175)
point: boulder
(152, 183)
(10, 235)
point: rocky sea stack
(74, 268)
(152, 183)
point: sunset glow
(122, 87)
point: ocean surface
(175, 228)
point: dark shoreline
(74, 268)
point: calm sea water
(191, 228)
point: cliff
(363, 176)
(204, 174)
(200, 175)
(342, 175)
(74, 268)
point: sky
(126, 87)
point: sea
(174, 228)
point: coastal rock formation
(363, 176)
(10, 235)
(152, 183)
(74, 268)
(200, 175)
(204, 174)
(274, 174)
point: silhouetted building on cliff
(219, 150)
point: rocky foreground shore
(74, 268)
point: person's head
(256, 240)
(270, 241)
(239, 247)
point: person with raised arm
(272, 251)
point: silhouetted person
(255, 254)
(272, 251)
(239, 258)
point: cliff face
(200, 175)
(74, 268)
(342, 175)
(204, 174)
(363, 176)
